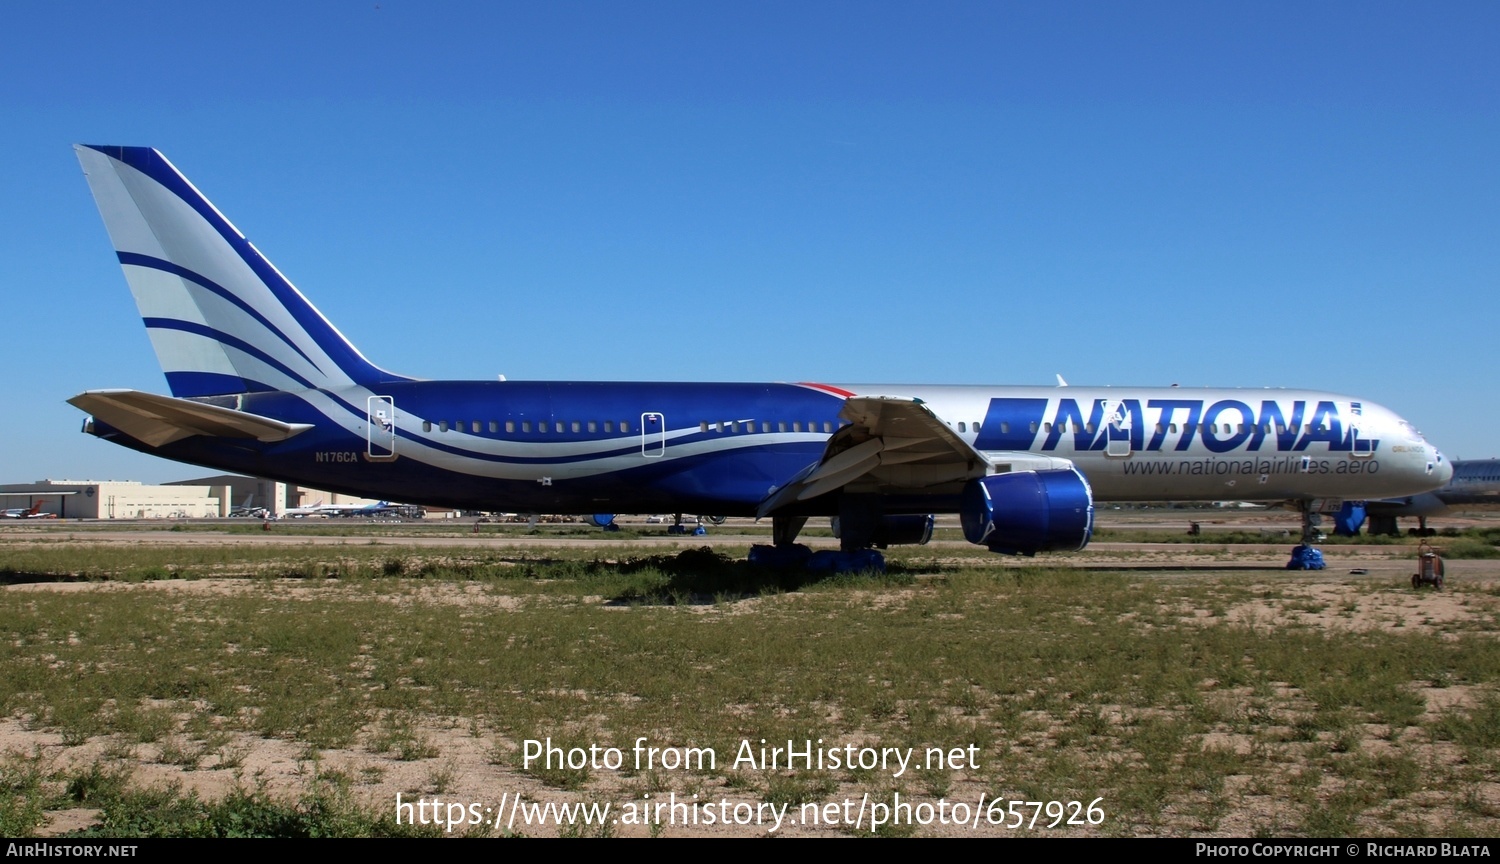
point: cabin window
(1087, 427)
(827, 428)
(577, 427)
(976, 427)
(1172, 427)
(703, 427)
(625, 427)
(442, 425)
(609, 425)
(494, 427)
(1033, 427)
(510, 426)
(525, 425)
(474, 427)
(426, 425)
(558, 426)
(962, 426)
(781, 426)
(796, 426)
(765, 425)
(593, 426)
(1005, 429)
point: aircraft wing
(897, 444)
(158, 420)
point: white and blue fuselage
(583, 447)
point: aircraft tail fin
(221, 317)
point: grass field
(222, 688)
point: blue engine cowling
(1028, 512)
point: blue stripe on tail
(348, 359)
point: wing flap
(158, 420)
(891, 443)
(898, 445)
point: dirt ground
(466, 771)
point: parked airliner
(1475, 483)
(263, 384)
(333, 510)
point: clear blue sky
(1261, 194)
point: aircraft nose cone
(1442, 469)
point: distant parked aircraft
(245, 510)
(32, 512)
(1475, 483)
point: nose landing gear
(1306, 556)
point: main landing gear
(785, 553)
(858, 529)
(1306, 556)
(677, 527)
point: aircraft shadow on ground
(1181, 568)
(22, 577)
(704, 577)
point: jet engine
(1028, 512)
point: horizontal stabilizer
(158, 420)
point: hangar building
(116, 499)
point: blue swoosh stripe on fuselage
(630, 446)
(738, 482)
(551, 401)
(136, 259)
